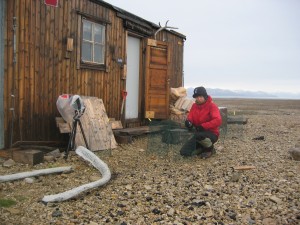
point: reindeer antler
(162, 28)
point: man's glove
(200, 128)
(188, 124)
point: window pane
(87, 51)
(99, 54)
(87, 30)
(93, 42)
(99, 29)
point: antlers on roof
(162, 28)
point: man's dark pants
(200, 142)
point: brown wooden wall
(44, 69)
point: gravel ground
(155, 186)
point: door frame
(136, 49)
(140, 91)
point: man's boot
(208, 152)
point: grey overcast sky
(232, 44)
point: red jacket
(207, 115)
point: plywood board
(96, 126)
(64, 128)
(62, 125)
(116, 124)
(59, 120)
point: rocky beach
(253, 179)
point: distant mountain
(222, 93)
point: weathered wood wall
(2, 31)
(44, 69)
(176, 61)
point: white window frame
(93, 61)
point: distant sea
(221, 93)
(251, 97)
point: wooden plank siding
(2, 63)
(44, 69)
(176, 57)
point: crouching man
(205, 118)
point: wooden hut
(84, 47)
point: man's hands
(188, 124)
(200, 128)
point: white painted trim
(132, 78)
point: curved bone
(97, 163)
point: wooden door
(157, 80)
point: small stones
(57, 213)
(231, 214)
(149, 198)
(235, 176)
(269, 221)
(29, 180)
(259, 138)
(13, 211)
(49, 158)
(290, 174)
(157, 189)
(93, 223)
(275, 199)
(295, 153)
(156, 211)
(55, 153)
(209, 214)
(121, 205)
(208, 188)
(198, 202)
(94, 178)
(2, 160)
(171, 212)
(120, 212)
(147, 187)
(8, 163)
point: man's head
(200, 95)
(200, 91)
